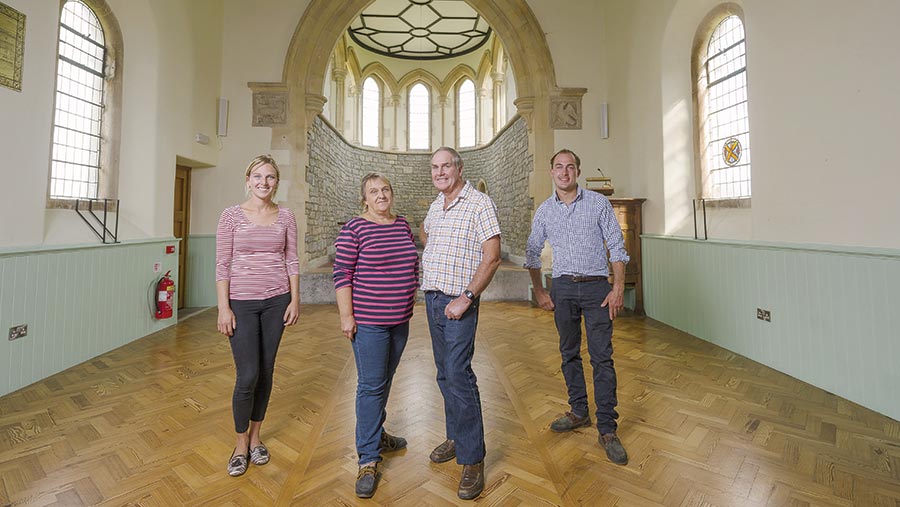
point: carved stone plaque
(565, 112)
(270, 108)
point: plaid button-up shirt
(453, 251)
(577, 233)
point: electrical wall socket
(765, 315)
(17, 332)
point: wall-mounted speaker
(222, 124)
(604, 121)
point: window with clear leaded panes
(726, 130)
(419, 118)
(371, 113)
(75, 160)
(466, 114)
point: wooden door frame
(186, 230)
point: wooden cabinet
(628, 213)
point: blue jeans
(572, 300)
(377, 350)
(453, 342)
(260, 324)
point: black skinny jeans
(260, 324)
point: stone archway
(322, 25)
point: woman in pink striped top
(376, 275)
(257, 287)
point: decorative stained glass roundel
(731, 151)
(420, 29)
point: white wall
(171, 72)
(585, 46)
(25, 129)
(824, 115)
(256, 36)
(823, 111)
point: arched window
(419, 118)
(77, 124)
(371, 113)
(725, 127)
(466, 113)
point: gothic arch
(353, 65)
(322, 26)
(484, 70)
(417, 75)
(381, 72)
(458, 73)
(111, 134)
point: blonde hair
(367, 178)
(262, 160)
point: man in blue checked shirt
(577, 223)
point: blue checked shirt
(577, 234)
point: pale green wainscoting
(78, 302)
(201, 271)
(835, 310)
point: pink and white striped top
(256, 259)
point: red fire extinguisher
(165, 292)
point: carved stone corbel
(270, 104)
(565, 108)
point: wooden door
(181, 225)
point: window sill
(69, 203)
(728, 202)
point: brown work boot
(390, 443)
(471, 484)
(615, 451)
(569, 422)
(444, 452)
(367, 480)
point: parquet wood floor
(149, 424)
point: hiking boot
(614, 449)
(569, 422)
(390, 443)
(367, 481)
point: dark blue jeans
(377, 350)
(453, 342)
(574, 300)
(260, 324)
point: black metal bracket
(98, 223)
(702, 205)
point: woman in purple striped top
(257, 288)
(376, 275)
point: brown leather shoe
(615, 451)
(391, 443)
(570, 422)
(444, 452)
(471, 484)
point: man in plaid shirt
(581, 226)
(462, 252)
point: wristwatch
(469, 294)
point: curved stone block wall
(336, 167)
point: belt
(584, 278)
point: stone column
(339, 75)
(395, 103)
(353, 97)
(479, 123)
(499, 100)
(442, 104)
